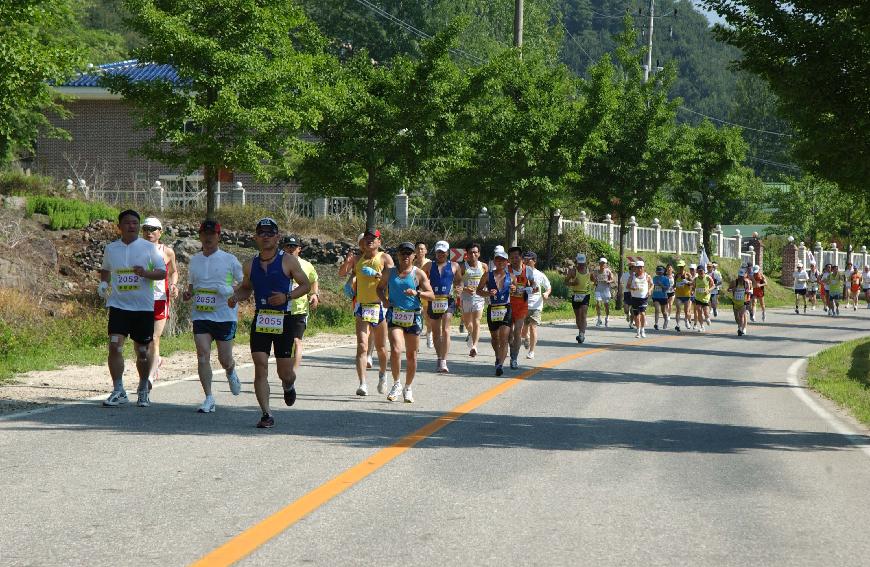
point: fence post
(835, 254)
(608, 220)
(864, 253)
(802, 254)
(483, 222)
(738, 242)
(159, 191)
(679, 228)
(238, 197)
(699, 230)
(720, 241)
(400, 209)
(657, 225)
(557, 218)
(319, 207)
(790, 259)
(583, 221)
(632, 232)
(69, 186)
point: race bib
(497, 312)
(371, 312)
(471, 284)
(439, 305)
(126, 280)
(657, 289)
(205, 300)
(269, 321)
(739, 294)
(404, 318)
(580, 297)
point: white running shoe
(394, 392)
(382, 383)
(208, 406)
(637, 334)
(143, 401)
(531, 354)
(235, 384)
(408, 395)
(701, 329)
(514, 364)
(363, 390)
(643, 333)
(369, 362)
(598, 322)
(429, 340)
(665, 326)
(442, 368)
(116, 398)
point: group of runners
(394, 302)
(831, 287)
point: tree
(248, 72)
(389, 126)
(816, 58)
(633, 154)
(32, 56)
(710, 176)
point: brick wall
(789, 263)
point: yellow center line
(249, 540)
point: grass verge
(842, 374)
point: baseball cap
(681, 264)
(756, 268)
(741, 272)
(126, 212)
(409, 246)
(500, 253)
(702, 267)
(292, 241)
(152, 222)
(639, 264)
(581, 258)
(631, 264)
(530, 256)
(660, 269)
(442, 246)
(374, 233)
(267, 222)
(693, 266)
(602, 260)
(210, 226)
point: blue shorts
(219, 330)
(451, 309)
(357, 312)
(414, 329)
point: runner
(302, 306)
(661, 285)
(669, 273)
(813, 284)
(847, 287)
(524, 286)
(823, 281)
(421, 261)
(603, 280)
(693, 273)
(473, 270)
(270, 277)
(541, 292)
(865, 284)
(740, 291)
(639, 285)
(580, 285)
(445, 277)
(346, 269)
(717, 286)
(626, 294)
(127, 263)
(759, 282)
(211, 276)
(498, 287)
(702, 288)
(855, 288)
(834, 284)
(400, 292)
(683, 291)
(801, 278)
(152, 230)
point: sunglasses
(149, 229)
(266, 233)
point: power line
(576, 42)
(714, 119)
(775, 163)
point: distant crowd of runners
(396, 301)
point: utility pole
(518, 23)
(649, 42)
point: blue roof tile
(132, 68)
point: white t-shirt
(129, 291)
(623, 282)
(800, 279)
(865, 280)
(536, 300)
(212, 278)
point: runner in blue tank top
(446, 278)
(401, 291)
(498, 286)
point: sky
(713, 17)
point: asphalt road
(674, 450)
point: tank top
(502, 296)
(471, 277)
(639, 286)
(269, 281)
(397, 286)
(522, 281)
(601, 279)
(739, 293)
(582, 283)
(661, 285)
(682, 290)
(442, 284)
(367, 286)
(702, 289)
(161, 287)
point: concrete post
(802, 254)
(557, 218)
(820, 256)
(400, 209)
(751, 252)
(738, 243)
(719, 239)
(658, 226)
(632, 232)
(158, 193)
(319, 207)
(608, 220)
(238, 197)
(700, 230)
(69, 186)
(484, 222)
(679, 229)
(584, 220)
(864, 254)
(835, 254)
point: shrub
(17, 183)
(69, 213)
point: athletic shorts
(414, 329)
(833, 295)
(626, 298)
(701, 303)
(219, 330)
(671, 294)
(284, 343)
(638, 304)
(602, 294)
(519, 309)
(684, 299)
(867, 290)
(800, 292)
(451, 309)
(534, 315)
(506, 321)
(578, 304)
(856, 288)
(357, 312)
(161, 309)
(138, 325)
(759, 293)
(660, 300)
(472, 303)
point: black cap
(210, 226)
(293, 242)
(123, 214)
(515, 249)
(407, 246)
(267, 222)
(530, 256)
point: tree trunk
(211, 188)
(621, 259)
(511, 225)
(370, 201)
(705, 239)
(551, 225)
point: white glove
(225, 290)
(102, 289)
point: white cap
(756, 268)
(153, 221)
(442, 246)
(639, 264)
(581, 258)
(693, 266)
(602, 260)
(500, 253)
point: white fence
(859, 257)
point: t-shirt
(212, 278)
(536, 299)
(800, 279)
(683, 285)
(623, 281)
(299, 306)
(865, 280)
(129, 291)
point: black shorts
(415, 329)
(638, 304)
(800, 292)
(660, 300)
(219, 330)
(138, 325)
(451, 308)
(701, 303)
(494, 326)
(578, 304)
(626, 298)
(285, 346)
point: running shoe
(363, 390)
(579, 339)
(838, 311)
(715, 312)
(473, 352)
(805, 309)
(665, 326)
(677, 328)
(606, 321)
(394, 392)
(143, 401)
(116, 398)
(514, 364)
(369, 362)
(290, 396)
(656, 326)
(739, 332)
(752, 318)
(382, 383)
(643, 333)
(443, 367)
(701, 329)
(637, 334)
(429, 340)
(266, 422)
(531, 354)
(235, 383)
(461, 328)
(408, 395)
(598, 323)
(796, 311)
(763, 316)
(499, 370)
(525, 342)
(208, 406)
(582, 337)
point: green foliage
(15, 183)
(842, 373)
(69, 213)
